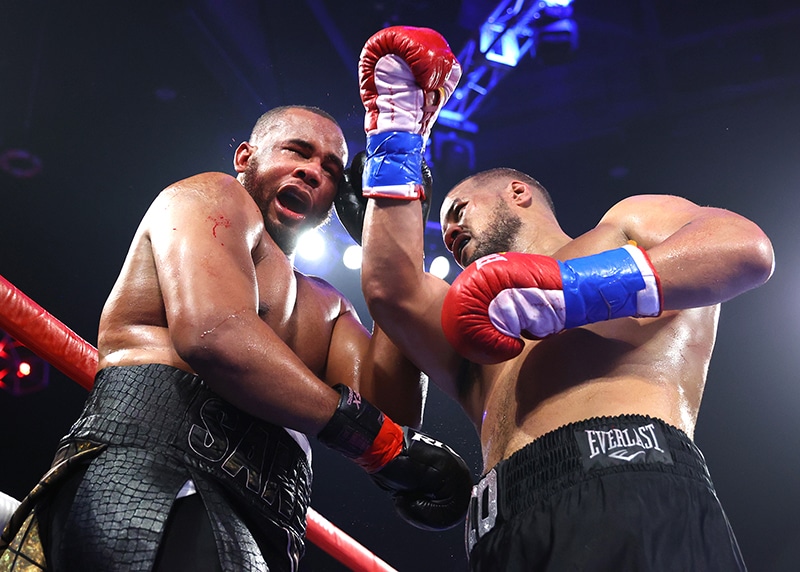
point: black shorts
(111, 498)
(606, 494)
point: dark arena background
(103, 104)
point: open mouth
(294, 201)
(458, 247)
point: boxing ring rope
(46, 336)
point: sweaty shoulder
(206, 197)
(649, 219)
(212, 185)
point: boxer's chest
(294, 312)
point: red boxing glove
(465, 314)
(406, 75)
(501, 298)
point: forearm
(403, 299)
(392, 271)
(700, 258)
(406, 75)
(248, 365)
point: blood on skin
(219, 220)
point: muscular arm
(376, 368)
(203, 233)
(404, 300)
(703, 255)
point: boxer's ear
(520, 193)
(242, 155)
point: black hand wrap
(354, 426)
(430, 483)
(351, 206)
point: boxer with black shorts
(626, 493)
(216, 359)
(581, 361)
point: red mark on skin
(219, 220)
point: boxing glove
(501, 298)
(429, 482)
(351, 204)
(406, 75)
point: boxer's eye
(459, 212)
(296, 151)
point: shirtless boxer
(581, 361)
(216, 359)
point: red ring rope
(46, 336)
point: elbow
(195, 350)
(382, 292)
(391, 274)
(376, 292)
(761, 260)
(389, 299)
(751, 266)
(395, 289)
(207, 349)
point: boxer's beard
(503, 229)
(286, 238)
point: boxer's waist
(172, 413)
(577, 452)
(144, 405)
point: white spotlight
(440, 267)
(352, 257)
(311, 245)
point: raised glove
(430, 483)
(351, 204)
(501, 298)
(406, 75)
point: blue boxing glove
(501, 298)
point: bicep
(703, 255)
(202, 252)
(349, 346)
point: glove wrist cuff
(361, 431)
(648, 299)
(612, 284)
(393, 167)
